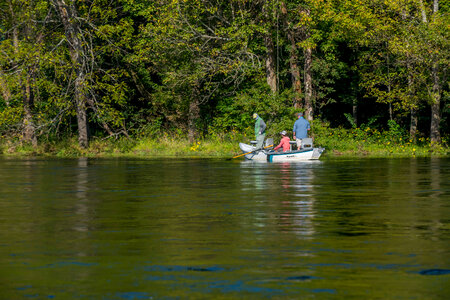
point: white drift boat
(307, 152)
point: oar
(250, 152)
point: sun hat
(283, 132)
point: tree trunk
(271, 74)
(270, 64)
(68, 16)
(413, 125)
(80, 102)
(308, 85)
(4, 88)
(435, 6)
(435, 135)
(355, 111)
(293, 59)
(29, 132)
(422, 10)
(295, 71)
(194, 114)
(391, 117)
(389, 88)
(413, 110)
(309, 108)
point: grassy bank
(123, 147)
(357, 142)
(368, 142)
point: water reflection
(298, 203)
(253, 175)
(81, 189)
(289, 189)
(29, 180)
(109, 229)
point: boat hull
(300, 155)
(272, 156)
(257, 155)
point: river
(220, 229)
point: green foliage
(350, 119)
(152, 68)
(372, 142)
(146, 128)
(395, 133)
(235, 113)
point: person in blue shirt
(300, 130)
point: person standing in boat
(284, 142)
(300, 130)
(260, 131)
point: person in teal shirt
(260, 131)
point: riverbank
(336, 146)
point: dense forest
(197, 68)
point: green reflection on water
(137, 229)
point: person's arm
(293, 132)
(279, 145)
(262, 126)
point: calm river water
(218, 229)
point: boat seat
(292, 143)
(307, 143)
(267, 142)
